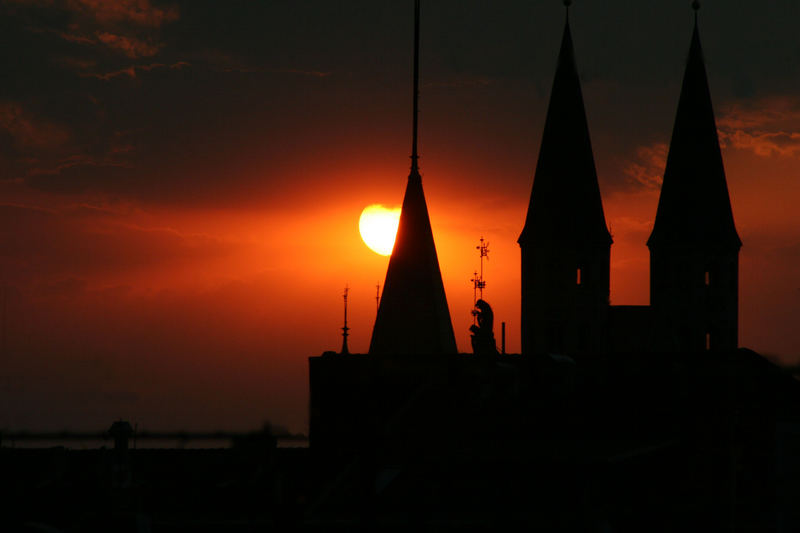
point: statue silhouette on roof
(483, 342)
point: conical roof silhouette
(413, 317)
(565, 205)
(694, 208)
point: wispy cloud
(647, 169)
(130, 46)
(132, 70)
(29, 131)
(77, 160)
(129, 27)
(767, 127)
(140, 12)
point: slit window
(708, 278)
(578, 277)
(708, 341)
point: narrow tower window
(708, 278)
(578, 279)
(708, 341)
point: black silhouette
(483, 342)
(565, 242)
(614, 418)
(612, 415)
(413, 316)
(694, 246)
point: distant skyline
(180, 182)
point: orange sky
(179, 198)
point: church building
(565, 243)
(613, 418)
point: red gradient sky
(181, 182)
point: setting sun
(378, 227)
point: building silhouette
(611, 415)
(565, 243)
(413, 317)
(613, 418)
(694, 246)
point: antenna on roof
(377, 297)
(478, 283)
(696, 7)
(414, 154)
(345, 329)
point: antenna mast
(484, 250)
(377, 298)
(478, 283)
(345, 329)
(414, 154)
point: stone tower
(694, 246)
(565, 243)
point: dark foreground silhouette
(614, 418)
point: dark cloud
(138, 12)
(227, 87)
(28, 132)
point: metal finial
(415, 120)
(345, 329)
(696, 5)
(567, 3)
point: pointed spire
(565, 204)
(694, 207)
(413, 316)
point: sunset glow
(378, 227)
(178, 214)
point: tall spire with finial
(565, 243)
(694, 245)
(413, 316)
(694, 205)
(565, 203)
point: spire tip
(696, 5)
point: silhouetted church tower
(413, 317)
(565, 243)
(694, 246)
